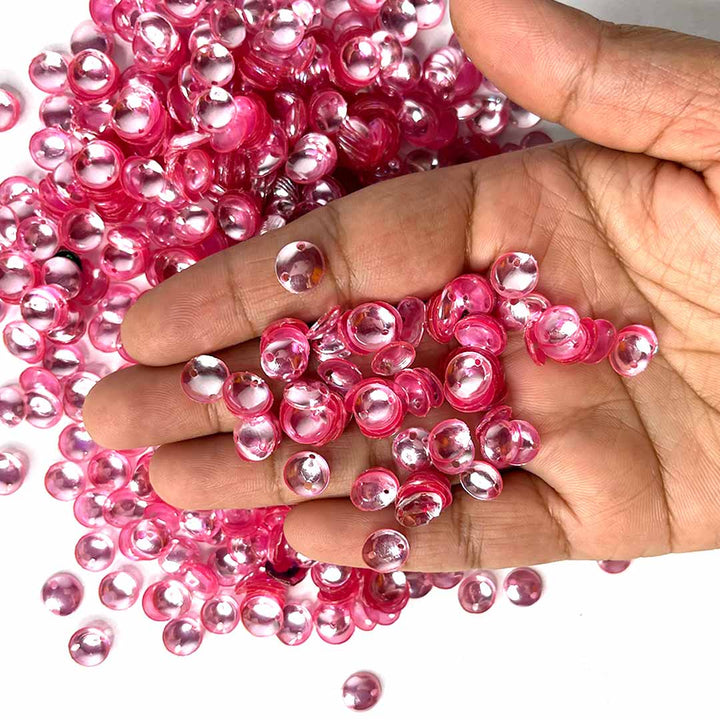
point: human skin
(626, 226)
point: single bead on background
(386, 550)
(374, 489)
(523, 586)
(203, 378)
(299, 266)
(91, 645)
(307, 473)
(361, 691)
(477, 591)
(613, 567)
(13, 470)
(62, 593)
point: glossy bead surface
(9, 110)
(203, 378)
(451, 447)
(372, 326)
(386, 550)
(514, 274)
(95, 551)
(393, 358)
(90, 645)
(306, 474)
(220, 615)
(13, 470)
(120, 589)
(374, 489)
(296, 626)
(477, 592)
(482, 481)
(256, 437)
(523, 586)
(182, 636)
(613, 567)
(634, 348)
(410, 449)
(62, 594)
(65, 480)
(299, 266)
(361, 691)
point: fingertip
(99, 416)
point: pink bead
(482, 481)
(108, 469)
(285, 355)
(421, 498)
(227, 24)
(399, 17)
(238, 216)
(98, 165)
(120, 589)
(64, 273)
(23, 342)
(215, 110)
(299, 266)
(393, 358)
(13, 470)
(12, 406)
(177, 553)
(604, 342)
(77, 387)
(62, 594)
(203, 378)
(528, 444)
(17, 276)
(75, 443)
(183, 636)
(9, 110)
(412, 314)
(307, 474)
(514, 274)
(386, 550)
(165, 600)
(49, 72)
(634, 348)
(420, 584)
(92, 75)
(613, 567)
(361, 691)
(499, 442)
(377, 408)
(477, 592)
(446, 580)
(88, 508)
(143, 179)
(220, 615)
(313, 156)
(95, 551)
(327, 110)
(374, 489)
(307, 394)
(410, 449)
(123, 507)
(296, 626)
(261, 610)
(372, 326)
(493, 115)
(257, 437)
(481, 332)
(64, 480)
(523, 586)
(82, 230)
(44, 308)
(212, 64)
(247, 394)
(516, 314)
(333, 622)
(88, 36)
(50, 147)
(91, 645)
(450, 447)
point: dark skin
(626, 226)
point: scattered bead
(183, 636)
(523, 586)
(361, 691)
(91, 645)
(386, 550)
(299, 267)
(307, 474)
(62, 594)
(120, 590)
(374, 489)
(203, 378)
(476, 592)
(613, 567)
(13, 469)
(9, 110)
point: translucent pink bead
(299, 266)
(82, 230)
(528, 444)
(635, 346)
(477, 592)
(261, 613)
(203, 378)
(64, 273)
(327, 110)
(613, 567)
(90, 646)
(360, 61)
(523, 586)
(285, 355)
(109, 469)
(399, 17)
(215, 110)
(98, 165)
(50, 147)
(412, 314)
(386, 550)
(341, 375)
(13, 470)
(481, 332)
(307, 474)
(177, 553)
(183, 636)
(220, 615)
(514, 274)
(88, 508)
(371, 326)
(92, 75)
(377, 408)
(374, 489)
(257, 437)
(238, 216)
(143, 179)
(333, 622)
(227, 24)
(165, 600)
(62, 593)
(420, 584)
(44, 308)
(9, 110)
(88, 36)
(361, 691)
(282, 31)
(77, 387)
(43, 409)
(557, 326)
(49, 72)
(451, 447)
(446, 580)
(75, 443)
(12, 406)
(605, 341)
(247, 394)
(296, 626)
(64, 480)
(95, 551)
(410, 449)
(212, 64)
(393, 358)
(516, 314)
(493, 115)
(17, 275)
(481, 481)
(120, 590)
(313, 156)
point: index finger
(416, 223)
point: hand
(625, 226)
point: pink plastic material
(451, 447)
(183, 636)
(9, 110)
(361, 691)
(477, 592)
(257, 437)
(482, 481)
(203, 378)
(306, 474)
(613, 567)
(514, 275)
(95, 551)
(120, 589)
(13, 470)
(299, 266)
(374, 489)
(91, 645)
(523, 586)
(634, 348)
(246, 394)
(386, 551)
(62, 594)
(410, 449)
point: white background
(634, 645)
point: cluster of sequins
(232, 119)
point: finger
(630, 88)
(142, 406)
(207, 472)
(519, 527)
(417, 225)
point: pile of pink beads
(471, 311)
(234, 118)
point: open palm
(631, 234)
